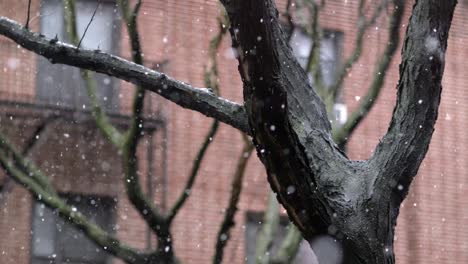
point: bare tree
(357, 200)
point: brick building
(175, 36)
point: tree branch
(313, 62)
(28, 15)
(128, 143)
(285, 114)
(197, 99)
(99, 115)
(363, 25)
(224, 232)
(30, 144)
(38, 133)
(142, 203)
(268, 229)
(193, 173)
(24, 165)
(342, 134)
(211, 81)
(289, 247)
(291, 243)
(405, 144)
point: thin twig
(8, 184)
(268, 230)
(363, 25)
(224, 232)
(289, 247)
(89, 23)
(28, 16)
(194, 172)
(211, 81)
(341, 135)
(99, 115)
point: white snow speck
(432, 44)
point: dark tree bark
(323, 191)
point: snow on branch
(185, 95)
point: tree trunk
(324, 192)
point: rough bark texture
(323, 191)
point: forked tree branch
(315, 182)
(185, 95)
(291, 242)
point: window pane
(301, 44)
(99, 34)
(54, 239)
(329, 56)
(43, 244)
(63, 85)
(76, 247)
(52, 19)
(330, 48)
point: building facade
(175, 38)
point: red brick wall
(430, 228)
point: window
(305, 255)
(55, 241)
(62, 85)
(330, 50)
